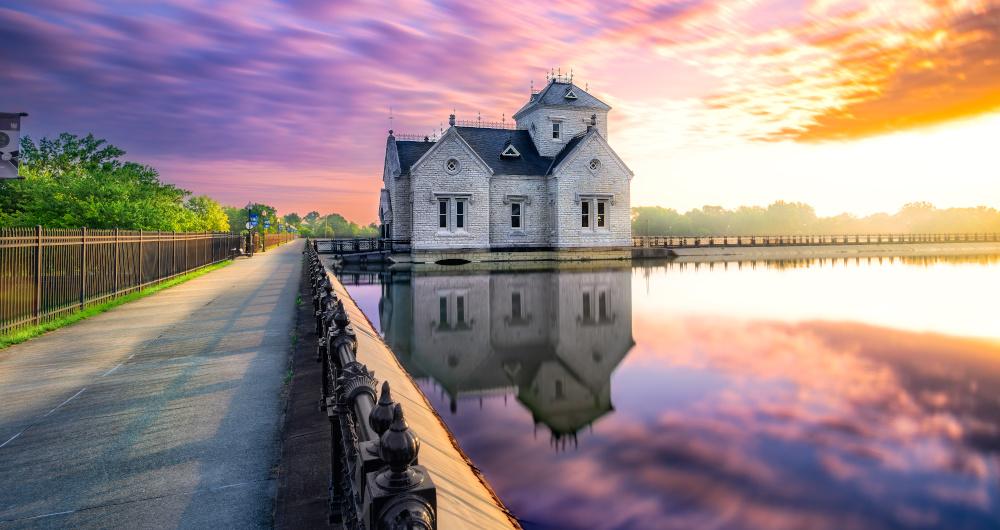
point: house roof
(554, 94)
(567, 149)
(489, 143)
(409, 152)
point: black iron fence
(45, 272)
(375, 481)
(804, 240)
(361, 244)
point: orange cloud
(936, 75)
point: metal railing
(361, 244)
(375, 481)
(45, 272)
(273, 240)
(484, 124)
(805, 240)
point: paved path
(162, 413)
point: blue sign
(253, 218)
(267, 223)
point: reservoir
(821, 394)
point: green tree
(72, 182)
(209, 215)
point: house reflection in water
(549, 338)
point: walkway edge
(465, 498)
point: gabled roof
(489, 143)
(409, 153)
(566, 150)
(575, 142)
(554, 94)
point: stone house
(550, 186)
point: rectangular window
(602, 307)
(515, 215)
(585, 214)
(443, 213)
(459, 214)
(515, 306)
(601, 208)
(586, 307)
(442, 311)
(460, 310)
(556, 126)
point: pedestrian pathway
(161, 413)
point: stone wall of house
(538, 123)
(430, 180)
(574, 179)
(399, 192)
(533, 194)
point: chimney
(451, 119)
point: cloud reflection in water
(708, 421)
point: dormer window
(556, 130)
(570, 94)
(510, 152)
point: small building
(547, 187)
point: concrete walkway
(162, 413)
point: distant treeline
(330, 225)
(797, 218)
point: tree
(72, 182)
(209, 215)
(790, 218)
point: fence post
(117, 264)
(139, 283)
(38, 274)
(173, 252)
(83, 268)
(159, 266)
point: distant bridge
(362, 250)
(808, 240)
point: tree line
(796, 218)
(72, 182)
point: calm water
(810, 395)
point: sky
(856, 106)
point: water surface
(784, 395)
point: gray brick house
(551, 187)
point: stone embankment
(464, 499)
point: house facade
(549, 185)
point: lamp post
(250, 227)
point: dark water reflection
(623, 399)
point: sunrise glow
(851, 106)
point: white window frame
(446, 203)
(452, 215)
(601, 218)
(463, 215)
(596, 220)
(557, 130)
(520, 215)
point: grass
(22, 335)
